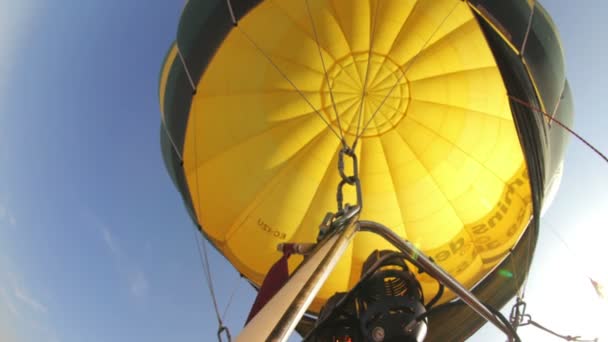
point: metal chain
(350, 180)
(336, 221)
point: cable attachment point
(223, 329)
(519, 318)
(350, 180)
(231, 11)
(518, 313)
(336, 222)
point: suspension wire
(331, 93)
(192, 85)
(231, 11)
(168, 135)
(409, 65)
(276, 67)
(183, 60)
(203, 255)
(369, 60)
(521, 290)
(232, 294)
(515, 274)
(535, 324)
(551, 119)
(519, 317)
(528, 29)
(515, 314)
(556, 234)
(204, 259)
(529, 254)
(559, 237)
(597, 286)
(209, 280)
(518, 309)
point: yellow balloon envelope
(416, 83)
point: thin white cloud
(8, 301)
(15, 17)
(20, 302)
(109, 240)
(21, 294)
(136, 278)
(138, 284)
(26, 298)
(6, 215)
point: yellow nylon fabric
(440, 161)
(164, 76)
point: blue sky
(94, 242)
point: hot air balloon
(438, 99)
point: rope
(204, 259)
(232, 294)
(523, 44)
(529, 254)
(369, 60)
(519, 318)
(207, 268)
(521, 291)
(551, 119)
(409, 65)
(181, 58)
(583, 271)
(552, 332)
(231, 11)
(565, 337)
(203, 255)
(331, 93)
(173, 145)
(276, 67)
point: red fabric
(276, 277)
